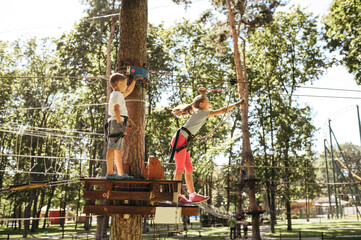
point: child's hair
(115, 78)
(186, 110)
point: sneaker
(111, 176)
(197, 198)
(124, 176)
(182, 199)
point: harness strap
(175, 144)
(184, 146)
(123, 129)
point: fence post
(280, 234)
(322, 235)
(299, 235)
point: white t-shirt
(195, 122)
(117, 97)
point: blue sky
(41, 18)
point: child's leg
(179, 160)
(189, 173)
(193, 196)
(118, 161)
(189, 182)
(110, 155)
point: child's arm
(225, 109)
(130, 89)
(117, 113)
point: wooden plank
(147, 210)
(31, 185)
(103, 180)
(128, 195)
(144, 210)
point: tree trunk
(35, 223)
(133, 36)
(27, 213)
(48, 205)
(126, 229)
(247, 156)
(288, 213)
(273, 209)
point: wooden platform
(131, 196)
(143, 190)
(187, 210)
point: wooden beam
(144, 210)
(102, 180)
(31, 185)
(128, 195)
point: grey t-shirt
(195, 122)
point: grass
(51, 231)
(314, 228)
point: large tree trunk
(133, 36)
(243, 91)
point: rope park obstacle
(147, 190)
(53, 169)
(341, 169)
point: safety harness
(184, 146)
(121, 134)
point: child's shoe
(197, 198)
(182, 199)
(124, 176)
(111, 176)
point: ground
(330, 229)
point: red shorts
(182, 158)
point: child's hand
(202, 89)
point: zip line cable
(53, 107)
(25, 131)
(52, 157)
(103, 104)
(48, 135)
(51, 129)
(192, 78)
(103, 160)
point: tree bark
(132, 51)
(126, 229)
(247, 156)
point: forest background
(53, 101)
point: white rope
(50, 157)
(17, 126)
(32, 218)
(135, 100)
(48, 135)
(53, 107)
(38, 173)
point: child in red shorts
(198, 111)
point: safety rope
(223, 119)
